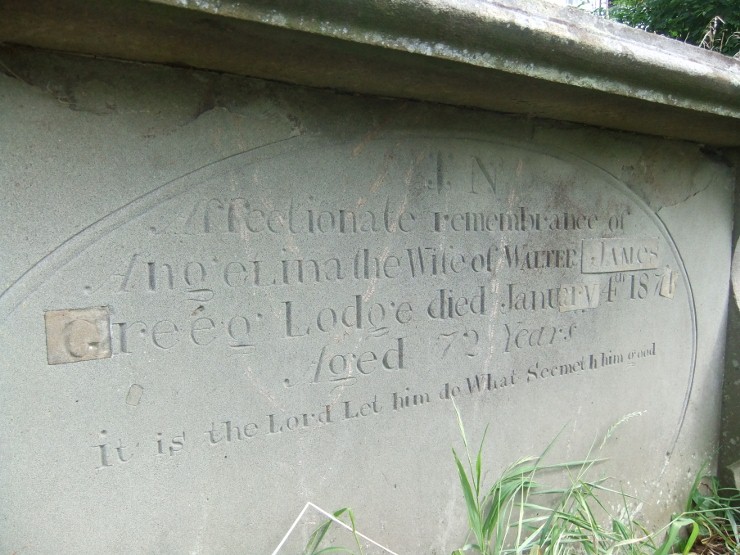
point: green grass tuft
(519, 515)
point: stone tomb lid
(536, 59)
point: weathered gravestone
(226, 297)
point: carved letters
(462, 255)
(447, 275)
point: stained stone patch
(78, 334)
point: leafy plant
(712, 24)
(511, 516)
(715, 514)
(313, 547)
(489, 513)
(517, 514)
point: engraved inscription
(391, 284)
(371, 292)
(619, 255)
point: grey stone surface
(531, 58)
(728, 464)
(299, 282)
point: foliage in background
(711, 24)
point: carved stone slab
(210, 321)
(276, 303)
